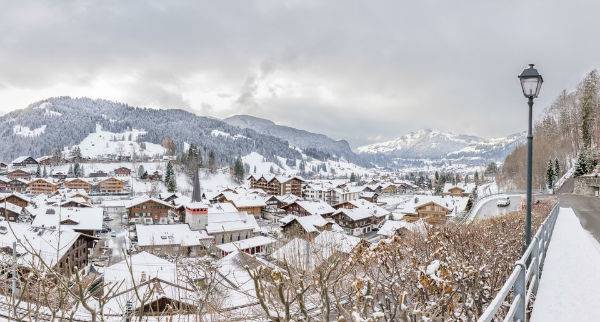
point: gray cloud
(356, 70)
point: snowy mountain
(104, 127)
(311, 143)
(432, 144)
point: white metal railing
(525, 277)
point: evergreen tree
(44, 173)
(38, 172)
(212, 164)
(550, 174)
(76, 154)
(141, 171)
(70, 173)
(170, 181)
(581, 165)
(81, 172)
(476, 178)
(352, 177)
(557, 172)
(76, 170)
(238, 170)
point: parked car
(504, 202)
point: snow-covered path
(570, 284)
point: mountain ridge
(434, 144)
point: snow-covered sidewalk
(570, 284)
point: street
(490, 209)
(587, 210)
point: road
(587, 210)
(489, 209)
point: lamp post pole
(529, 175)
(531, 83)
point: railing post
(535, 263)
(520, 293)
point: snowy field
(570, 281)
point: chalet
(276, 202)
(59, 175)
(83, 220)
(78, 183)
(307, 226)
(154, 176)
(356, 221)
(10, 211)
(306, 208)
(369, 196)
(249, 203)
(163, 291)
(17, 185)
(110, 186)
(15, 198)
(177, 239)
(230, 227)
(304, 255)
(24, 161)
(41, 185)
(18, 174)
(65, 251)
(389, 188)
(458, 190)
(433, 209)
(98, 174)
(46, 160)
(401, 227)
(122, 172)
(278, 185)
(149, 211)
(75, 203)
(260, 245)
(4, 184)
(331, 191)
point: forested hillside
(570, 127)
(53, 124)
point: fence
(525, 277)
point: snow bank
(28, 132)
(570, 281)
(104, 143)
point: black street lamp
(531, 83)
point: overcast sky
(364, 71)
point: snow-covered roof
(304, 255)
(245, 201)
(390, 227)
(34, 240)
(138, 266)
(227, 222)
(76, 218)
(466, 187)
(11, 207)
(315, 207)
(177, 234)
(244, 244)
(308, 223)
(355, 214)
(142, 199)
(21, 159)
(454, 204)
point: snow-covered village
(299, 161)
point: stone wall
(587, 185)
